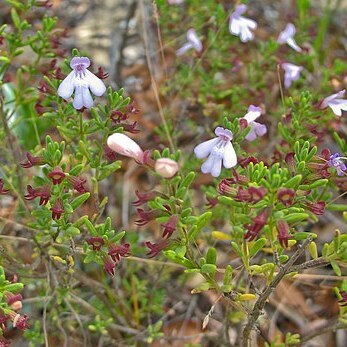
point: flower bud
(166, 167)
(124, 145)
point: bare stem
(260, 304)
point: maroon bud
(101, 74)
(40, 109)
(109, 154)
(290, 160)
(58, 74)
(43, 87)
(343, 300)
(20, 322)
(225, 188)
(211, 202)
(143, 197)
(147, 216)
(109, 265)
(258, 223)
(2, 190)
(283, 233)
(118, 116)
(156, 248)
(33, 161)
(246, 161)
(243, 195)
(44, 193)
(132, 108)
(130, 128)
(4, 342)
(286, 196)
(57, 209)
(257, 194)
(77, 183)
(170, 226)
(96, 243)
(116, 252)
(316, 207)
(56, 175)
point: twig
(311, 263)
(259, 305)
(330, 325)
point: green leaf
(209, 268)
(335, 267)
(107, 170)
(293, 182)
(296, 217)
(77, 202)
(14, 287)
(257, 246)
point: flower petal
(78, 98)
(292, 43)
(234, 26)
(251, 136)
(194, 40)
(184, 49)
(87, 98)
(95, 84)
(67, 86)
(205, 148)
(229, 156)
(260, 129)
(206, 167)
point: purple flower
(241, 26)
(257, 129)
(80, 80)
(193, 42)
(291, 73)
(335, 102)
(283, 233)
(336, 162)
(170, 226)
(218, 150)
(286, 36)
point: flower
(80, 80)
(143, 197)
(116, 252)
(56, 175)
(175, 2)
(147, 216)
(316, 207)
(286, 36)
(241, 26)
(217, 150)
(257, 129)
(283, 233)
(4, 342)
(96, 242)
(77, 183)
(2, 190)
(291, 73)
(343, 300)
(258, 223)
(156, 248)
(109, 265)
(170, 226)
(124, 145)
(166, 167)
(57, 209)
(286, 196)
(335, 102)
(193, 42)
(32, 161)
(336, 162)
(20, 322)
(44, 193)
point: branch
(311, 263)
(259, 305)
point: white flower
(218, 150)
(124, 145)
(80, 80)
(257, 129)
(193, 42)
(335, 102)
(286, 36)
(291, 73)
(175, 2)
(241, 26)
